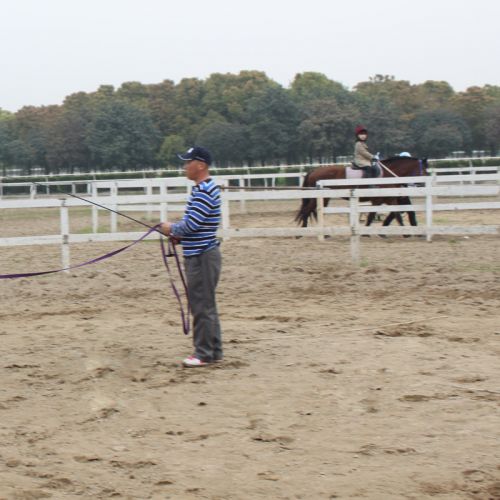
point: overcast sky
(52, 48)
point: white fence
(431, 188)
(34, 190)
(340, 160)
(243, 180)
(461, 175)
(487, 185)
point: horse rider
(363, 159)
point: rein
(168, 251)
(420, 168)
(386, 168)
(172, 252)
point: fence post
(149, 191)
(114, 206)
(163, 205)
(64, 234)
(472, 172)
(226, 224)
(434, 174)
(354, 223)
(241, 183)
(95, 210)
(320, 210)
(428, 208)
(32, 191)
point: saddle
(354, 171)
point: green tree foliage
(69, 150)
(440, 131)
(134, 93)
(247, 118)
(5, 138)
(229, 95)
(20, 155)
(326, 130)
(310, 87)
(32, 133)
(226, 141)
(492, 128)
(4, 115)
(161, 104)
(121, 136)
(472, 105)
(432, 95)
(188, 109)
(171, 145)
(387, 106)
(272, 122)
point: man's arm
(194, 218)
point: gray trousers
(202, 274)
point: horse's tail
(307, 207)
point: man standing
(202, 259)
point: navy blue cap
(197, 153)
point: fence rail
(428, 188)
(340, 160)
(244, 178)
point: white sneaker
(193, 362)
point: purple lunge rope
(172, 252)
(93, 261)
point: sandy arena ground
(379, 382)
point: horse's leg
(399, 218)
(309, 209)
(391, 217)
(325, 204)
(412, 216)
(373, 215)
(387, 222)
(370, 218)
(305, 214)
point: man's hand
(165, 228)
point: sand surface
(380, 381)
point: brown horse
(401, 166)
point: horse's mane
(396, 158)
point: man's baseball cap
(196, 153)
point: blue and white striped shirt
(198, 227)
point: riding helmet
(359, 129)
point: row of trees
(247, 118)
